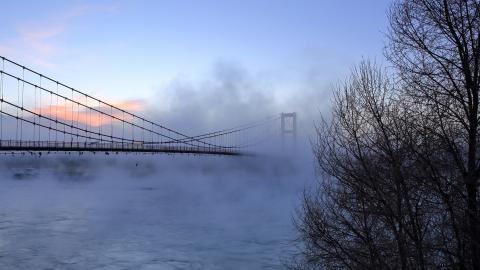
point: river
(147, 212)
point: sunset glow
(72, 112)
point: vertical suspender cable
(40, 109)
(90, 121)
(111, 124)
(66, 119)
(86, 120)
(35, 110)
(73, 120)
(88, 116)
(50, 115)
(23, 90)
(18, 101)
(78, 120)
(1, 100)
(56, 117)
(99, 121)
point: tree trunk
(472, 211)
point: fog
(134, 211)
(147, 212)
(230, 95)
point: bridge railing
(27, 146)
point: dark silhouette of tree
(435, 46)
(399, 156)
(374, 205)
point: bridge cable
(133, 115)
(134, 125)
(229, 135)
(56, 116)
(1, 101)
(18, 101)
(50, 122)
(40, 109)
(23, 90)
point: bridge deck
(45, 146)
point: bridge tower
(288, 127)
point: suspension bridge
(40, 114)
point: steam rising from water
(142, 212)
(163, 212)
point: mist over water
(127, 211)
(148, 211)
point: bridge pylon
(288, 127)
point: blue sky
(122, 50)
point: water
(147, 213)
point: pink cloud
(34, 44)
(41, 40)
(66, 111)
(40, 43)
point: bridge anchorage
(40, 114)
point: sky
(145, 51)
(195, 66)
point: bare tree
(389, 197)
(435, 46)
(400, 161)
(372, 207)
